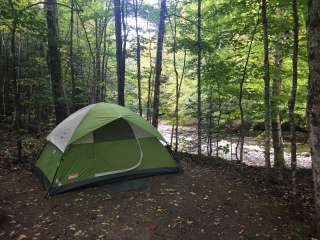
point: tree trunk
(79, 75)
(92, 55)
(275, 113)
(210, 121)
(2, 75)
(174, 51)
(178, 93)
(105, 60)
(138, 53)
(199, 62)
(266, 84)
(149, 95)
(71, 61)
(219, 119)
(17, 122)
(6, 83)
(125, 32)
(314, 96)
(179, 79)
(243, 79)
(54, 62)
(97, 68)
(292, 100)
(119, 53)
(158, 66)
(172, 132)
(151, 72)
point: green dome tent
(102, 142)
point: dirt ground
(206, 201)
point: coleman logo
(73, 176)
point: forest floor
(211, 199)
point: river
(253, 147)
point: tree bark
(105, 60)
(218, 119)
(178, 93)
(199, 90)
(275, 111)
(17, 105)
(138, 55)
(71, 60)
(125, 32)
(119, 53)
(292, 100)
(266, 83)
(158, 66)
(2, 75)
(151, 72)
(97, 73)
(96, 70)
(54, 61)
(149, 94)
(314, 97)
(210, 121)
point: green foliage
(227, 27)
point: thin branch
(85, 33)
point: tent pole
(54, 178)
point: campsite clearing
(214, 201)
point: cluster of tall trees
(204, 62)
(313, 103)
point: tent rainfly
(102, 142)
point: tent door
(116, 149)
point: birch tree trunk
(158, 66)
(314, 98)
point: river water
(253, 148)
